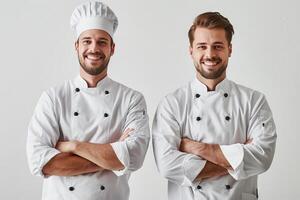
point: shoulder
(127, 93)
(58, 91)
(176, 98)
(246, 92)
(252, 99)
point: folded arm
(68, 164)
(210, 152)
(121, 156)
(243, 160)
(211, 170)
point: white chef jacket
(73, 111)
(228, 116)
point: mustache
(212, 59)
(101, 54)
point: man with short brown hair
(213, 137)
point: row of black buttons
(227, 118)
(228, 187)
(198, 95)
(72, 188)
(105, 114)
(78, 90)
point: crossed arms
(216, 164)
(47, 155)
(83, 157)
(185, 162)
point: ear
(112, 49)
(230, 49)
(76, 45)
(191, 50)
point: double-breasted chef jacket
(72, 111)
(229, 116)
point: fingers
(249, 141)
(126, 134)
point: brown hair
(211, 20)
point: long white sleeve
(255, 158)
(131, 152)
(176, 166)
(43, 134)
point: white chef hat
(93, 15)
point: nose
(94, 47)
(210, 52)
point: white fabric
(249, 117)
(54, 120)
(93, 15)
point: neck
(211, 83)
(92, 80)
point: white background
(37, 52)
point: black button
(77, 89)
(197, 95)
(227, 118)
(199, 187)
(225, 95)
(76, 113)
(71, 188)
(228, 187)
(106, 92)
(263, 124)
(105, 115)
(102, 187)
(198, 118)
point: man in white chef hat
(87, 135)
(213, 137)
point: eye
(102, 42)
(201, 47)
(86, 42)
(218, 47)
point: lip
(210, 64)
(94, 58)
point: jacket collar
(103, 84)
(201, 88)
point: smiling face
(210, 52)
(94, 48)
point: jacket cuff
(121, 151)
(234, 154)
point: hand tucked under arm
(210, 152)
(211, 170)
(68, 164)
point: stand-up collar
(199, 87)
(102, 84)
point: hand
(126, 134)
(66, 146)
(249, 141)
(189, 146)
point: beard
(210, 74)
(95, 70)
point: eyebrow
(102, 38)
(204, 43)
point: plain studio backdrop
(37, 52)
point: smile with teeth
(94, 57)
(210, 63)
